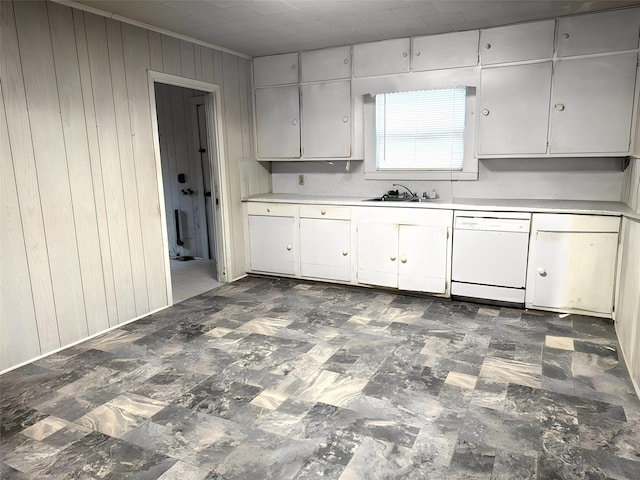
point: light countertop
(499, 205)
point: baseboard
(102, 332)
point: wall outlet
(300, 179)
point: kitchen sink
(386, 198)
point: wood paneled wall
(81, 240)
(627, 308)
(628, 298)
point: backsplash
(545, 178)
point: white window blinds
(421, 130)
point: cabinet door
(326, 119)
(381, 58)
(422, 254)
(449, 50)
(325, 246)
(575, 270)
(326, 64)
(514, 109)
(277, 128)
(598, 32)
(271, 244)
(593, 104)
(378, 254)
(275, 70)
(527, 41)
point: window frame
(424, 137)
(470, 161)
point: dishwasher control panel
(492, 224)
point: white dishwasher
(490, 255)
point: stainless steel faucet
(406, 188)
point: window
(421, 130)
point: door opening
(188, 158)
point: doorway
(188, 154)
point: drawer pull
(393, 258)
(294, 121)
(268, 210)
(542, 272)
(289, 247)
(417, 54)
(346, 60)
(344, 253)
(565, 35)
(487, 46)
(404, 54)
(323, 212)
(345, 119)
(403, 259)
(559, 106)
(485, 112)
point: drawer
(272, 209)
(325, 211)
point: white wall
(81, 238)
(548, 178)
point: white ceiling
(262, 27)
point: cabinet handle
(417, 54)
(346, 60)
(542, 272)
(323, 212)
(344, 253)
(565, 35)
(404, 54)
(487, 46)
(559, 106)
(268, 210)
(289, 247)
(403, 259)
(345, 119)
(294, 121)
(485, 112)
(393, 258)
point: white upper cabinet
(449, 50)
(277, 122)
(326, 119)
(326, 64)
(515, 43)
(275, 70)
(598, 32)
(514, 109)
(593, 104)
(381, 58)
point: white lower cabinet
(572, 263)
(272, 235)
(409, 253)
(325, 243)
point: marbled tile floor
(280, 379)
